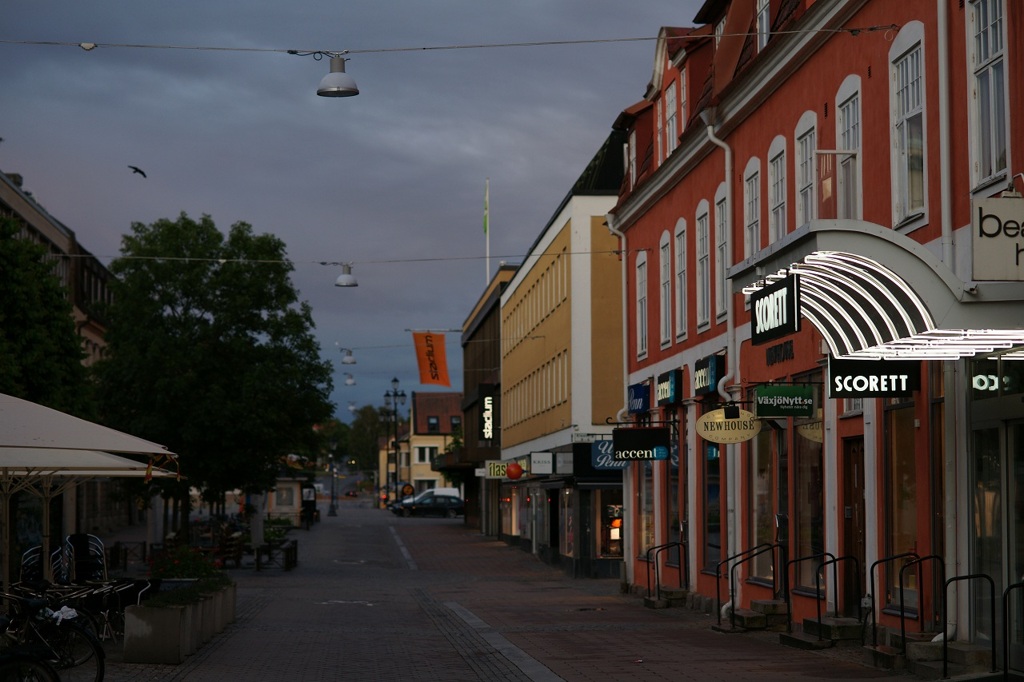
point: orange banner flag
(430, 356)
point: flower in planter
(183, 562)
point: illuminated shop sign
(873, 378)
(639, 398)
(775, 310)
(784, 401)
(706, 373)
(669, 387)
(640, 443)
(997, 239)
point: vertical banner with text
(430, 356)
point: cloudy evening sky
(391, 180)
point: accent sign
(669, 387)
(706, 373)
(640, 442)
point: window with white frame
(641, 304)
(719, 31)
(847, 168)
(988, 115)
(680, 277)
(631, 159)
(721, 259)
(908, 123)
(703, 265)
(752, 208)
(777, 189)
(659, 145)
(671, 113)
(764, 26)
(665, 282)
(806, 167)
(425, 454)
(683, 114)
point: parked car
(448, 506)
(422, 496)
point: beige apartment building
(562, 382)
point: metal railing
(1006, 626)
(753, 551)
(817, 582)
(945, 611)
(903, 611)
(732, 575)
(684, 567)
(874, 611)
(835, 580)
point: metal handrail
(903, 611)
(732, 576)
(874, 612)
(835, 579)
(684, 566)
(1006, 626)
(718, 574)
(817, 601)
(945, 605)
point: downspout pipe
(952, 548)
(945, 176)
(732, 373)
(627, 476)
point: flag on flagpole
(431, 358)
(487, 201)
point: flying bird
(136, 169)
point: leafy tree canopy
(211, 352)
(40, 352)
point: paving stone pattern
(377, 597)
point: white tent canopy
(24, 424)
(45, 451)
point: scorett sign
(775, 310)
(873, 378)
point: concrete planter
(157, 634)
(168, 634)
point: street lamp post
(333, 509)
(392, 399)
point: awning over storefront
(875, 293)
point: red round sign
(513, 471)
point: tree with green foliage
(212, 354)
(40, 352)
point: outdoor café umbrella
(48, 472)
(37, 442)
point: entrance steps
(830, 632)
(923, 657)
(670, 597)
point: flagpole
(487, 231)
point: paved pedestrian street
(377, 597)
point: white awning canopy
(874, 293)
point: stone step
(960, 653)
(769, 606)
(749, 620)
(932, 670)
(838, 629)
(802, 640)
(885, 657)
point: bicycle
(31, 627)
(20, 667)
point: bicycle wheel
(78, 655)
(26, 668)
